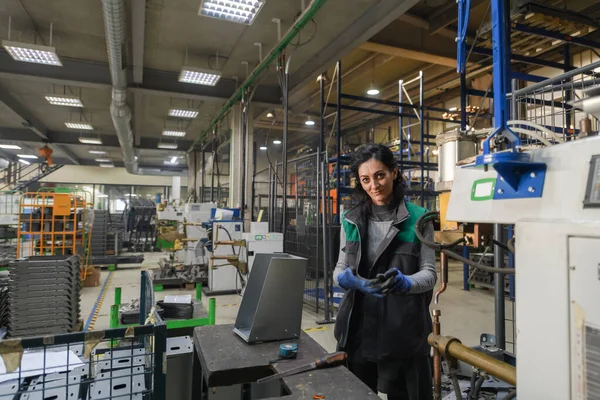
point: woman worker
(383, 320)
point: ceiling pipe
(300, 23)
(113, 12)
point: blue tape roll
(288, 350)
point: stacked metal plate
(4, 306)
(99, 233)
(44, 295)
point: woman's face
(378, 181)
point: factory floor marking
(91, 321)
(319, 328)
(228, 305)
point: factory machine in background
(554, 203)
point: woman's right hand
(349, 281)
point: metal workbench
(227, 360)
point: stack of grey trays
(44, 293)
(4, 307)
(100, 233)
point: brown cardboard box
(92, 278)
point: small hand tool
(329, 360)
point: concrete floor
(464, 314)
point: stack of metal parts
(44, 293)
(7, 254)
(4, 306)
(99, 238)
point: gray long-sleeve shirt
(422, 281)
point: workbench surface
(227, 360)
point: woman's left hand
(393, 281)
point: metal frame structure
(418, 115)
(547, 99)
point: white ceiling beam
(408, 54)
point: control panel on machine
(592, 192)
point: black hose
(444, 248)
(502, 245)
(511, 395)
(475, 390)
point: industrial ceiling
(164, 36)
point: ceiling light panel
(79, 125)
(167, 162)
(66, 101)
(106, 165)
(9, 147)
(98, 152)
(32, 53)
(87, 140)
(168, 146)
(239, 11)
(103, 160)
(183, 113)
(199, 76)
(30, 156)
(173, 133)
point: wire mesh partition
(303, 222)
(116, 363)
(547, 104)
(260, 200)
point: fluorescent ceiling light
(32, 53)
(199, 76)
(276, 141)
(263, 148)
(270, 114)
(173, 133)
(239, 11)
(67, 101)
(79, 125)
(309, 122)
(183, 113)
(26, 156)
(174, 160)
(88, 140)
(373, 92)
(99, 152)
(103, 160)
(106, 165)
(167, 162)
(10, 146)
(168, 146)
(24, 162)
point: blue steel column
(422, 139)
(501, 55)
(338, 141)
(463, 101)
(465, 254)
(400, 124)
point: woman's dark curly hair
(382, 154)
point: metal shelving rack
(413, 154)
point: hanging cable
(445, 248)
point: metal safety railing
(545, 108)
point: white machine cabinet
(223, 278)
(262, 243)
(557, 261)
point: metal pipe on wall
(338, 139)
(437, 358)
(244, 106)
(451, 347)
(212, 170)
(284, 151)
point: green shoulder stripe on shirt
(407, 229)
(350, 230)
